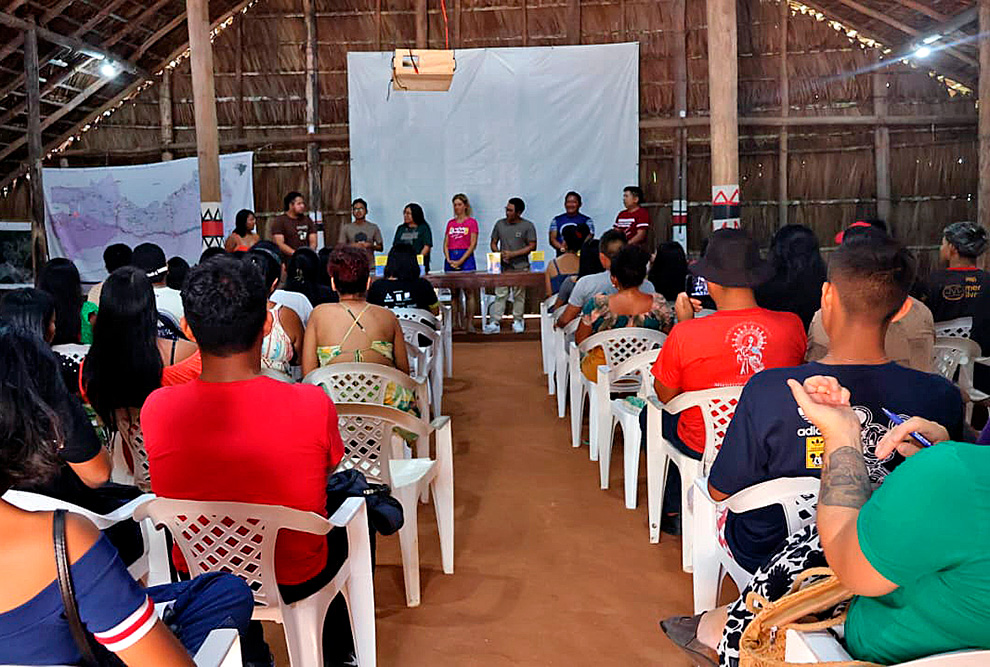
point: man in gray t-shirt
(514, 237)
(598, 283)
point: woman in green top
(415, 231)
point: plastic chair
(72, 351)
(440, 324)
(822, 647)
(152, 564)
(129, 433)
(619, 345)
(559, 341)
(717, 407)
(239, 538)
(277, 375)
(710, 556)
(954, 359)
(430, 364)
(619, 412)
(371, 446)
(546, 340)
(961, 327)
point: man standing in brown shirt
(293, 229)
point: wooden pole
(881, 152)
(678, 218)
(983, 197)
(239, 75)
(39, 243)
(455, 38)
(313, 115)
(422, 25)
(165, 113)
(783, 196)
(205, 114)
(525, 22)
(573, 21)
(723, 80)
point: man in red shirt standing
(633, 221)
(725, 348)
(203, 445)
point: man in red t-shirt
(730, 345)
(633, 221)
(205, 443)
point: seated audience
(633, 220)
(567, 263)
(150, 258)
(799, 272)
(611, 243)
(907, 551)
(910, 340)
(589, 263)
(282, 345)
(33, 310)
(955, 291)
(726, 348)
(112, 606)
(352, 330)
(197, 429)
(867, 289)
(669, 270)
(128, 360)
(60, 278)
(628, 307)
(210, 253)
(178, 269)
(115, 256)
(361, 233)
(572, 215)
(244, 235)
(302, 277)
(402, 286)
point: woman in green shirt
(415, 231)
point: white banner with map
(89, 208)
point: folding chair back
(961, 327)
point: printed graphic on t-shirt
(401, 297)
(870, 435)
(748, 340)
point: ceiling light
(108, 70)
(922, 52)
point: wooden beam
(239, 74)
(678, 218)
(783, 196)
(16, 43)
(983, 196)
(313, 172)
(881, 152)
(165, 113)
(923, 9)
(572, 21)
(814, 121)
(73, 43)
(129, 27)
(378, 24)
(422, 25)
(205, 113)
(158, 34)
(525, 23)
(723, 96)
(39, 243)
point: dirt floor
(549, 569)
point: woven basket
(762, 643)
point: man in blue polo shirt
(572, 215)
(770, 438)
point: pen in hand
(922, 440)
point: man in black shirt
(955, 291)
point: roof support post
(39, 243)
(723, 95)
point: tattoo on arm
(845, 481)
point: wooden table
(472, 280)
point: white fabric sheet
(524, 122)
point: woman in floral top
(627, 307)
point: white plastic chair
(822, 647)
(429, 365)
(129, 433)
(954, 359)
(961, 327)
(75, 352)
(277, 375)
(240, 538)
(152, 564)
(372, 446)
(546, 340)
(710, 556)
(717, 407)
(619, 345)
(440, 324)
(559, 341)
(635, 369)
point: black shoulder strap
(79, 634)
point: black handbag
(93, 655)
(384, 511)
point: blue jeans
(208, 602)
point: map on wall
(90, 208)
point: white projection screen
(516, 122)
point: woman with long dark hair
(282, 346)
(244, 235)
(402, 286)
(127, 360)
(60, 278)
(589, 263)
(669, 270)
(415, 231)
(113, 607)
(799, 272)
(303, 276)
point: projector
(422, 69)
